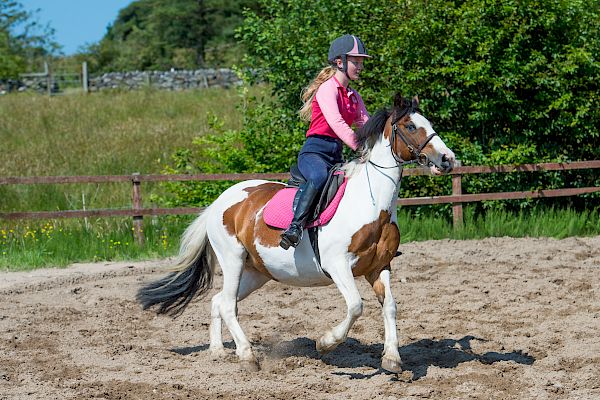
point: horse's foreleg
(342, 276)
(382, 287)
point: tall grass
(539, 222)
(124, 132)
(104, 133)
(59, 243)
(107, 133)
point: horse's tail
(192, 276)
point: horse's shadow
(417, 357)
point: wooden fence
(137, 211)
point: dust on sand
(499, 318)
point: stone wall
(163, 80)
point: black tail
(175, 291)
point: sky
(76, 22)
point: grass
(540, 222)
(59, 243)
(114, 133)
(106, 133)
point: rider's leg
(315, 170)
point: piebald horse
(360, 240)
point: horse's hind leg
(231, 257)
(381, 285)
(251, 280)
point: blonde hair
(308, 93)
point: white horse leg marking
(232, 264)
(342, 276)
(391, 357)
(216, 338)
(251, 281)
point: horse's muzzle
(446, 165)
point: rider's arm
(327, 99)
(362, 115)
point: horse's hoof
(320, 349)
(391, 365)
(217, 354)
(249, 365)
(324, 349)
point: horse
(361, 239)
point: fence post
(84, 77)
(48, 78)
(136, 202)
(457, 210)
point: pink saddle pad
(278, 211)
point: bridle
(415, 149)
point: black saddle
(333, 183)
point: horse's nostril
(446, 164)
(444, 158)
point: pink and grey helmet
(346, 45)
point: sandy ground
(498, 318)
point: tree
(22, 40)
(187, 34)
(505, 81)
(492, 72)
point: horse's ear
(415, 102)
(401, 102)
(398, 100)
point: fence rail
(138, 211)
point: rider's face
(355, 67)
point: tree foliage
(493, 73)
(504, 81)
(154, 34)
(23, 41)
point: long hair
(308, 93)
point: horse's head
(412, 137)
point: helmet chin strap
(344, 68)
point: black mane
(367, 135)
(372, 129)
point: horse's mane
(367, 135)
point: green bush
(504, 81)
(268, 142)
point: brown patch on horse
(399, 147)
(375, 245)
(243, 221)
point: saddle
(278, 212)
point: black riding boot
(303, 202)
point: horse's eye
(411, 128)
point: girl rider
(332, 108)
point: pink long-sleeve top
(334, 110)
